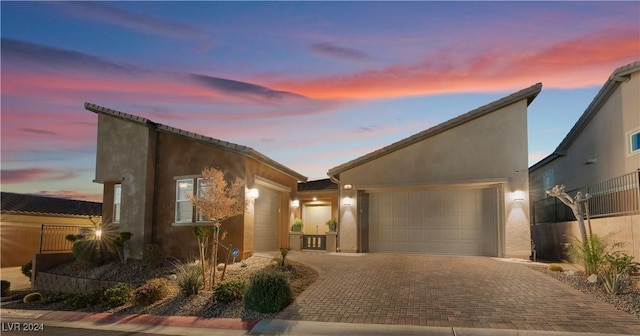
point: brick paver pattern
(448, 291)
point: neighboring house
(601, 156)
(317, 203)
(26, 219)
(146, 169)
(456, 188)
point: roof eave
(529, 94)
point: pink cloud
(10, 176)
(72, 194)
(592, 55)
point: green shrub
(32, 297)
(26, 269)
(615, 269)
(151, 255)
(189, 277)
(282, 259)
(90, 252)
(72, 238)
(5, 286)
(151, 291)
(591, 253)
(118, 295)
(555, 268)
(269, 291)
(53, 297)
(85, 300)
(228, 291)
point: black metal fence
(619, 196)
(314, 242)
(52, 237)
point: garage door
(451, 221)
(265, 234)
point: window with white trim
(634, 142)
(547, 182)
(184, 206)
(117, 199)
(185, 210)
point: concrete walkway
(384, 294)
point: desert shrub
(228, 291)
(615, 269)
(118, 295)
(591, 253)
(32, 297)
(189, 277)
(282, 258)
(90, 252)
(268, 292)
(26, 269)
(555, 268)
(151, 255)
(54, 297)
(5, 286)
(85, 300)
(151, 291)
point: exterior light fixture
(518, 195)
(295, 203)
(347, 201)
(253, 193)
(315, 198)
(348, 186)
(98, 234)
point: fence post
(41, 234)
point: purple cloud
(332, 50)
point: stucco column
(348, 220)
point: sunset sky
(309, 84)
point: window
(184, 207)
(117, 199)
(634, 142)
(547, 182)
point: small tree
(573, 203)
(217, 201)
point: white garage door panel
(454, 221)
(265, 236)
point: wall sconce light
(295, 203)
(253, 193)
(518, 195)
(98, 234)
(348, 186)
(347, 201)
(315, 198)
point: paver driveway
(449, 291)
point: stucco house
(147, 167)
(600, 155)
(31, 224)
(456, 188)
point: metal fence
(618, 196)
(314, 242)
(52, 237)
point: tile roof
(229, 146)
(316, 185)
(14, 203)
(529, 93)
(621, 74)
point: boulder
(593, 278)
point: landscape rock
(593, 278)
(570, 273)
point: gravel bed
(628, 300)
(201, 305)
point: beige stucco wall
(125, 155)
(550, 236)
(491, 149)
(605, 138)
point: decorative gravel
(628, 300)
(201, 305)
